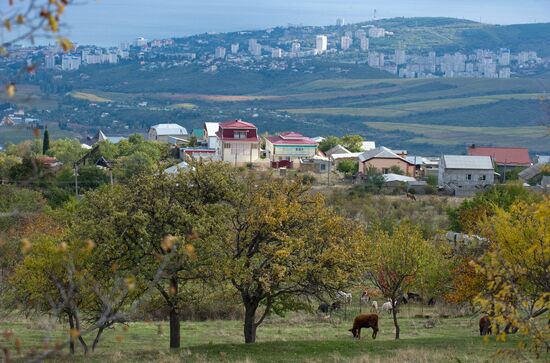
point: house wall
(152, 136)
(238, 152)
(457, 180)
(383, 164)
(212, 142)
(229, 133)
(292, 152)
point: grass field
(408, 108)
(17, 134)
(89, 97)
(299, 337)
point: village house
(285, 149)
(197, 153)
(168, 133)
(384, 160)
(464, 175)
(210, 129)
(503, 156)
(238, 142)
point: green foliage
(328, 143)
(395, 169)
(348, 167)
(432, 180)
(66, 151)
(472, 211)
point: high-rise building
(504, 73)
(504, 57)
(220, 52)
(70, 62)
(276, 53)
(295, 48)
(235, 48)
(375, 32)
(345, 42)
(400, 57)
(374, 59)
(340, 22)
(360, 34)
(364, 44)
(49, 61)
(252, 44)
(140, 42)
(321, 43)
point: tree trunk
(174, 316)
(80, 339)
(71, 340)
(394, 313)
(174, 328)
(96, 340)
(250, 322)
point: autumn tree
(516, 268)
(401, 260)
(278, 244)
(153, 221)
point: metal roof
(211, 128)
(169, 129)
(468, 162)
(380, 152)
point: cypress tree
(46, 141)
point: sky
(109, 22)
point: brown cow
(485, 326)
(365, 321)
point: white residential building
(210, 129)
(340, 22)
(346, 42)
(295, 48)
(364, 44)
(375, 32)
(49, 61)
(276, 53)
(70, 62)
(321, 43)
(220, 52)
(235, 48)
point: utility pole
(328, 175)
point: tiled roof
(237, 124)
(291, 138)
(503, 155)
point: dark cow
(323, 308)
(365, 321)
(337, 305)
(485, 326)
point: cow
(365, 321)
(345, 296)
(323, 308)
(386, 307)
(374, 305)
(365, 297)
(335, 306)
(485, 326)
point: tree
(353, 143)
(280, 245)
(155, 218)
(395, 169)
(349, 167)
(516, 268)
(46, 142)
(66, 151)
(400, 260)
(328, 143)
(193, 141)
(471, 212)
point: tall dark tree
(46, 141)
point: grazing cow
(365, 321)
(335, 306)
(345, 296)
(365, 296)
(323, 308)
(386, 307)
(413, 296)
(485, 326)
(411, 196)
(374, 305)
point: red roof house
(503, 156)
(286, 148)
(238, 142)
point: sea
(111, 22)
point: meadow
(297, 337)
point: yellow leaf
(65, 43)
(10, 89)
(7, 25)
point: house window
(469, 177)
(385, 171)
(240, 134)
(226, 145)
(299, 149)
(483, 177)
(323, 167)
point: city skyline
(109, 23)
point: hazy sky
(112, 21)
